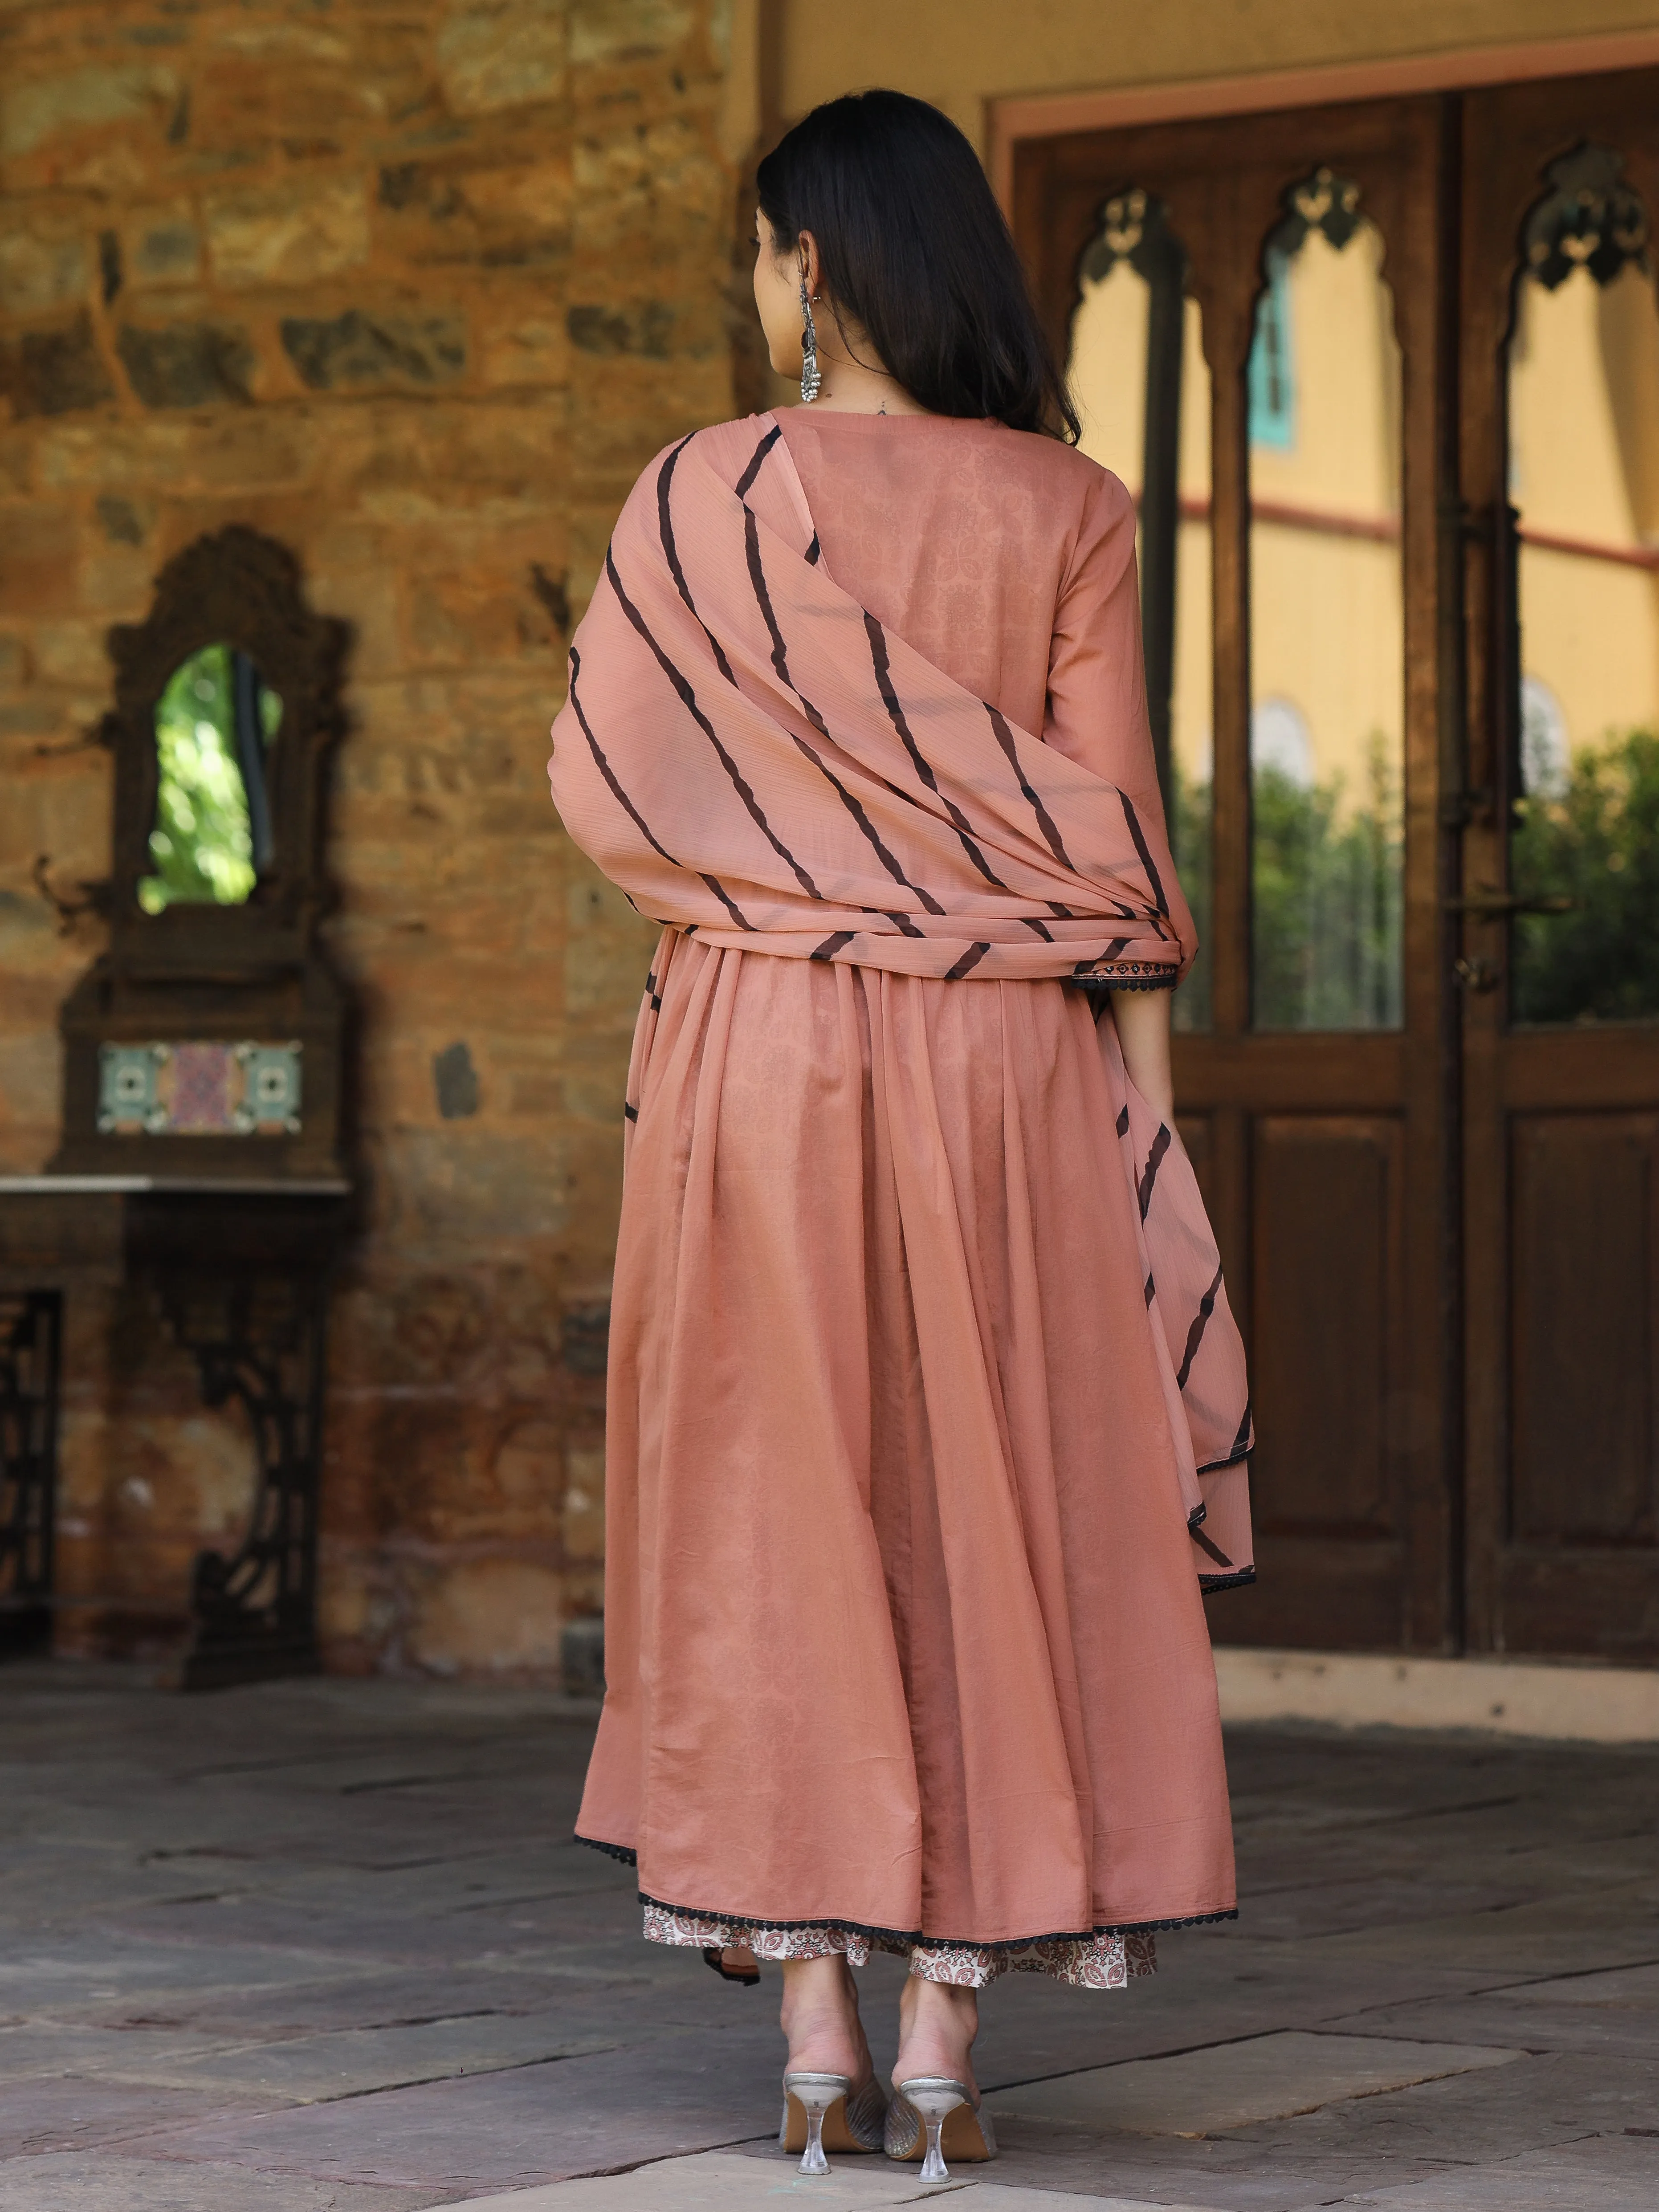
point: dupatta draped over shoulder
(760, 763)
(752, 756)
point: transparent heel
(935, 2100)
(815, 2093)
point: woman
(922, 1378)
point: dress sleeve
(1096, 704)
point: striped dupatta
(752, 756)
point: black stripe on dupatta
(1154, 1161)
(608, 772)
(970, 959)
(688, 699)
(1195, 1334)
(759, 454)
(1045, 820)
(831, 945)
(890, 699)
(1210, 1549)
(1144, 851)
(626, 803)
(665, 527)
(781, 662)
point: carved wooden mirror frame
(241, 589)
(241, 997)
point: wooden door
(1316, 1053)
(1560, 1018)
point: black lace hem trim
(617, 1851)
(909, 1937)
(1215, 1466)
(1209, 1584)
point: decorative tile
(178, 1090)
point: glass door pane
(1142, 386)
(1583, 403)
(1326, 615)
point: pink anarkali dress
(927, 1421)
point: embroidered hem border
(1098, 1962)
(906, 1938)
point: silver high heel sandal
(860, 2124)
(928, 2102)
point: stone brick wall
(417, 289)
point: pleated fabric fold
(903, 1632)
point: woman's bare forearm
(1143, 1030)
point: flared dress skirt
(902, 1630)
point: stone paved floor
(324, 1945)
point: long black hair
(913, 248)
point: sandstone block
(595, 1080)
(360, 351)
(368, 599)
(493, 54)
(647, 327)
(38, 549)
(71, 652)
(42, 269)
(532, 199)
(293, 236)
(187, 364)
(518, 350)
(608, 944)
(124, 521)
(161, 248)
(529, 1479)
(97, 97)
(464, 1184)
(488, 1616)
(624, 30)
(54, 371)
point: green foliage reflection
(1597, 843)
(202, 845)
(1326, 885)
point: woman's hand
(1142, 1031)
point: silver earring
(810, 378)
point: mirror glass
(1326, 622)
(1141, 385)
(216, 723)
(1584, 417)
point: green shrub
(1597, 843)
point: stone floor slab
(1264, 2078)
(510, 2131)
(1624, 1989)
(1605, 2173)
(718, 2181)
(84, 2183)
(65, 2113)
(318, 2069)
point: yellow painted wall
(1583, 438)
(960, 56)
